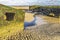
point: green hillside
(19, 15)
(9, 26)
(35, 6)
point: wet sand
(40, 20)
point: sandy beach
(29, 17)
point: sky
(30, 2)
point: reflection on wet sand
(31, 21)
(36, 21)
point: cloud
(30, 2)
(49, 2)
(17, 2)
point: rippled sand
(43, 32)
